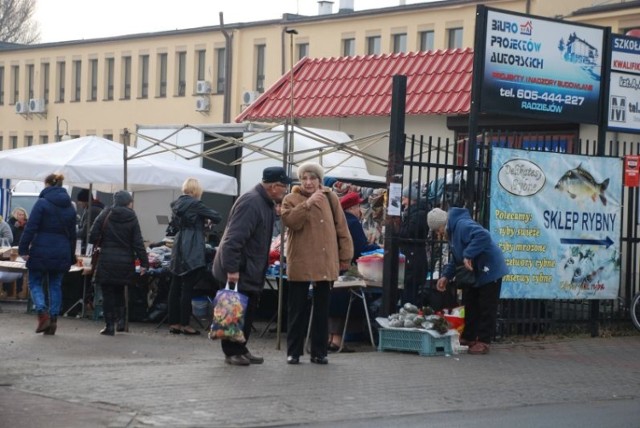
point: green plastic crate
(413, 341)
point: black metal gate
(440, 168)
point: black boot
(108, 329)
(120, 323)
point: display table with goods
(417, 330)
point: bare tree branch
(16, 21)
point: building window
(303, 50)
(426, 40)
(182, 73)
(374, 46)
(260, 66)
(348, 47)
(399, 43)
(1, 143)
(44, 139)
(108, 137)
(61, 80)
(221, 63)
(14, 141)
(144, 76)
(15, 78)
(45, 82)
(29, 140)
(126, 77)
(162, 75)
(1, 86)
(110, 65)
(201, 58)
(30, 77)
(454, 38)
(93, 88)
(77, 80)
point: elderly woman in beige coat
(318, 246)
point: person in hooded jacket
(117, 230)
(471, 245)
(188, 259)
(48, 245)
(413, 243)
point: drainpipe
(283, 61)
(228, 46)
(528, 9)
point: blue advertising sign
(557, 220)
(541, 68)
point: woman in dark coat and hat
(118, 232)
(188, 259)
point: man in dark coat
(118, 232)
(90, 213)
(243, 255)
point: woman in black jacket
(117, 231)
(188, 253)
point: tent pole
(125, 146)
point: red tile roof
(438, 82)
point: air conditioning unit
(202, 104)
(37, 105)
(249, 97)
(203, 87)
(22, 107)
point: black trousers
(298, 318)
(234, 348)
(480, 311)
(180, 295)
(112, 298)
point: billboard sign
(541, 68)
(624, 85)
(558, 221)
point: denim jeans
(37, 289)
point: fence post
(394, 178)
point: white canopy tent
(99, 163)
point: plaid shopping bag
(229, 307)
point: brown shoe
(43, 322)
(253, 359)
(479, 348)
(53, 326)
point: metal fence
(440, 168)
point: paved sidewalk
(147, 377)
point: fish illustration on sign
(579, 183)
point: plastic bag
(229, 307)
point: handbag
(229, 308)
(464, 277)
(95, 254)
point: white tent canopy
(99, 163)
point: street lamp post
(66, 135)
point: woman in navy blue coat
(471, 245)
(48, 244)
